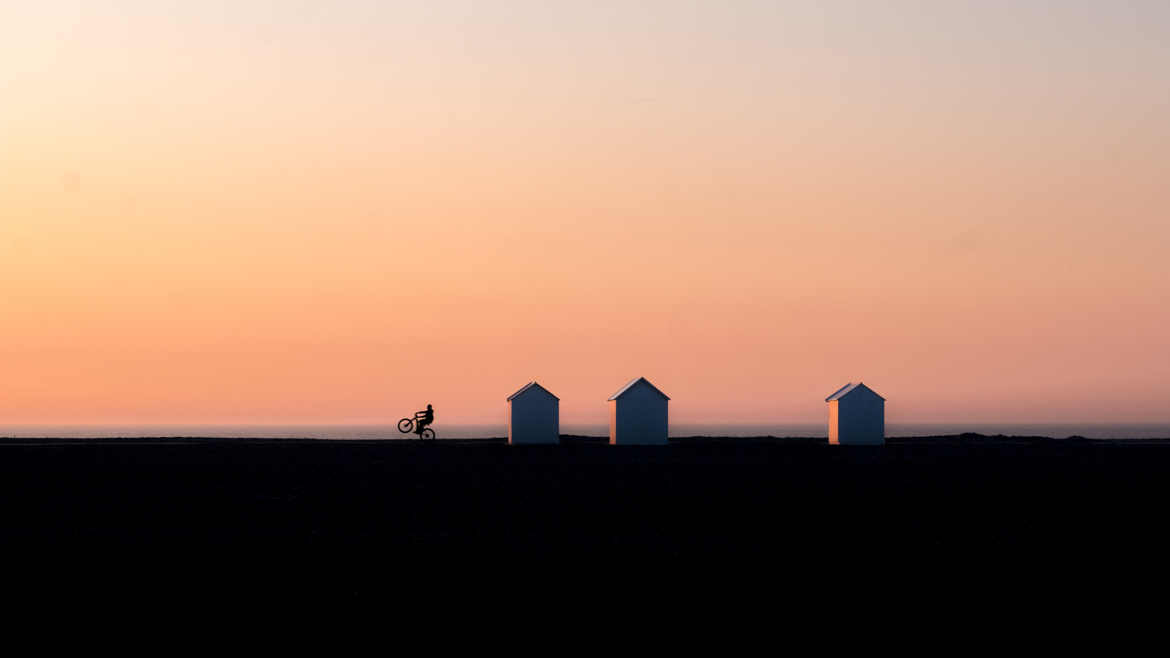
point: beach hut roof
(632, 383)
(525, 389)
(849, 388)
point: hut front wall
(640, 416)
(534, 418)
(860, 420)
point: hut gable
(532, 387)
(850, 388)
(634, 383)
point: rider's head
(428, 406)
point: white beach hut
(638, 414)
(534, 416)
(857, 416)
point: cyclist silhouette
(424, 418)
(419, 423)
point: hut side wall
(613, 422)
(834, 430)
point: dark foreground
(414, 506)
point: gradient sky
(294, 211)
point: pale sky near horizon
(293, 211)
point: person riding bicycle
(424, 418)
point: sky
(291, 211)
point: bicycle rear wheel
(428, 433)
(406, 425)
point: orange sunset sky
(293, 211)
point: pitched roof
(525, 389)
(631, 384)
(849, 388)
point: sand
(697, 497)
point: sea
(366, 432)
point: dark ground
(410, 506)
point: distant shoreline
(678, 430)
(969, 438)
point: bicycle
(410, 425)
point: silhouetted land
(406, 504)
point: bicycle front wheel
(406, 426)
